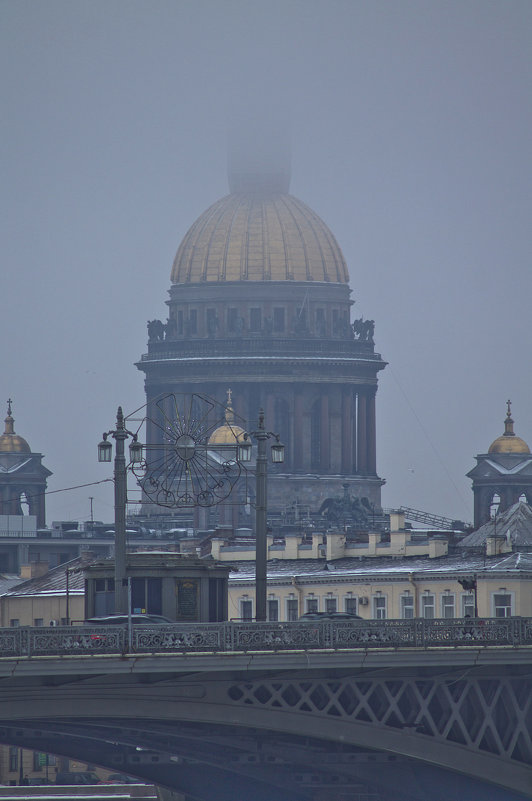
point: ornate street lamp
(120, 434)
(470, 585)
(261, 506)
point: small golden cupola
(509, 442)
(9, 441)
(229, 433)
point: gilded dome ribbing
(228, 433)
(9, 441)
(509, 442)
(257, 236)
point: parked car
(122, 620)
(79, 777)
(313, 616)
(121, 778)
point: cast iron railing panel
(241, 636)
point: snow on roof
(515, 523)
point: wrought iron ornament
(184, 470)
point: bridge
(318, 711)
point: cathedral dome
(509, 442)
(259, 236)
(9, 441)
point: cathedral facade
(260, 304)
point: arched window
(315, 435)
(24, 504)
(523, 498)
(495, 504)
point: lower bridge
(379, 711)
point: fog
(410, 126)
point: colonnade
(329, 429)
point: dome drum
(261, 309)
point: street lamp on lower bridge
(261, 506)
(120, 434)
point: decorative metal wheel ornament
(182, 469)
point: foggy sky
(411, 131)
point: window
(231, 319)
(192, 322)
(278, 320)
(212, 322)
(321, 329)
(246, 609)
(407, 607)
(13, 757)
(104, 597)
(311, 604)
(255, 319)
(146, 596)
(427, 605)
(39, 621)
(350, 605)
(292, 609)
(180, 321)
(273, 609)
(468, 604)
(447, 605)
(331, 605)
(502, 604)
(39, 760)
(14, 622)
(379, 607)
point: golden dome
(9, 441)
(259, 236)
(229, 433)
(509, 442)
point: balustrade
(242, 637)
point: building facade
(260, 303)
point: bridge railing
(232, 636)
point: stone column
(298, 430)
(347, 431)
(362, 449)
(324, 434)
(354, 438)
(371, 434)
(270, 412)
(36, 504)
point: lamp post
(261, 506)
(120, 434)
(471, 584)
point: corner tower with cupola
(260, 300)
(22, 475)
(503, 475)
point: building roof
(382, 569)
(55, 580)
(259, 236)
(515, 523)
(8, 581)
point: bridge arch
(412, 714)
